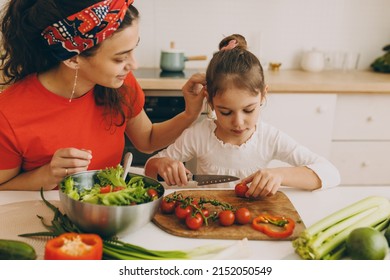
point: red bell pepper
(274, 226)
(74, 246)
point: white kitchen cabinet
(362, 117)
(362, 162)
(361, 139)
(308, 118)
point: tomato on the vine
(205, 212)
(226, 217)
(182, 213)
(194, 222)
(240, 189)
(243, 216)
(167, 207)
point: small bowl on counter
(108, 220)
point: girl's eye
(249, 111)
(225, 113)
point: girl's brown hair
(24, 52)
(236, 66)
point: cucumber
(16, 250)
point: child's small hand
(263, 183)
(173, 172)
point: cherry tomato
(241, 189)
(226, 217)
(205, 212)
(167, 207)
(196, 203)
(243, 216)
(194, 222)
(105, 189)
(152, 193)
(182, 213)
(117, 189)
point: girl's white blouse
(266, 144)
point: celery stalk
(326, 238)
(345, 213)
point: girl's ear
(263, 95)
(265, 89)
(206, 94)
(72, 62)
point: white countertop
(311, 206)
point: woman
(71, 95)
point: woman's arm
(64, 162)
(149, 137)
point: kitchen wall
(277, 30)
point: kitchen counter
(312, 206)
(286, 81)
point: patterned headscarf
(85, 29)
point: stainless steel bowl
(108, 221)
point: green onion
(326, 238)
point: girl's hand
(172, 171)
(264, 183)
(194, 92)
(68, 161)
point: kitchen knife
(212, 179)
(207, 179)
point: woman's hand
(172, 171)
(263, 183)
(194, 93)
(68, 161)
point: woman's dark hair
(236, 66)
(23, 50)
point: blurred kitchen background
(276, 31)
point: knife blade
(207, 179)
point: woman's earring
(74, 85)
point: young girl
(237, 142)
(71, 96)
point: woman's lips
(122, 77)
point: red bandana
(85, 29)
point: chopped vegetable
(69, 189)
(112, 176)
(111, 189)
(274, 226)
(74, 246)
(326, 238)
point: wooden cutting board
(278, 204)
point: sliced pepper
(74, 246)
(274, 226)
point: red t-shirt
(34, 123)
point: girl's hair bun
(240, 41)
